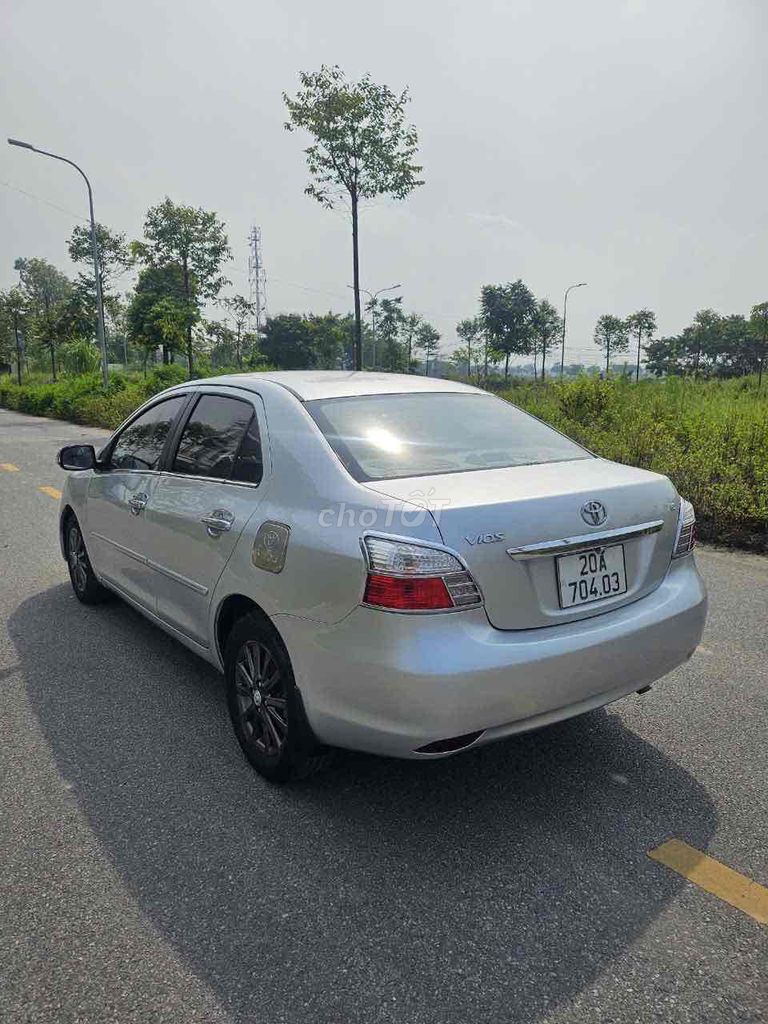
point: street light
(99, 298)
(373, 296)
(570, 287)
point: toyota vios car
(394, 564)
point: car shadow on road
(487, 887)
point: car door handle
(137, 503)
(218, 521)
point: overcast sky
(619, 142)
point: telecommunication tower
(257, 277)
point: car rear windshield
(382, 437)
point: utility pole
(570, 287)
(100, 332)
(257, 277)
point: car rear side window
(220, 440)
(140, 445)
(382, 437)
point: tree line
(361, 147)
(50, 319)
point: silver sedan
(394, 564)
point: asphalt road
(147, 874)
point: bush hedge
(82, 399)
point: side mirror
(77, 456)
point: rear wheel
(265, 704)
(84, 582)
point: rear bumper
(389, 683)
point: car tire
(265, 704)
(86, 586)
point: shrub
(709, 437)
(78, 357)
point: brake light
(686, 530)
(429, 594)
(416, 578)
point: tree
(390, 321)
(112, 247)
(702, 338)
(219, 340)
(643, 325)
(469, 331)
(758, 325)
(664, 357)
(611, 336)
(506, 313)
(362, 148)
(194, 241)
(736, 353)
(45, 291)
(241, 311)
(287, 342)
(157, 314)
(114, 258)
(329, 336)
(13, 314)
(466, 361)
(546, 326)
(411, 325)
(427, 338)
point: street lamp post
(97, 276)
(570, 287)
(373, 296)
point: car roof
(311, 384)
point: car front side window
(141, 443)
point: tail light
(416, 578)
(686, 530)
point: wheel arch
(230, 610)
(66, 512)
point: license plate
(591, 575)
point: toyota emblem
(593, 513)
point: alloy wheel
(261, 698)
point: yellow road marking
(51, 492)
(9, 467)
(709, 874)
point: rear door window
(220, 440)
(141, 444)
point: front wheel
(265, 704)
(84, 582)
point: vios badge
(593, 513)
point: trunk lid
(489, 515)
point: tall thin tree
(362, 148)
(468, 331)
(547, 325)
(611, 335)
(642, 325)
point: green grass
(709, 437)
